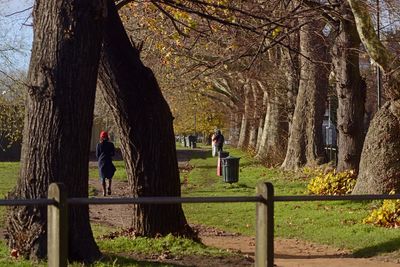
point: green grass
(110, 258)
(120, 173)
(8, 178)
(117, 252)
(6, 260)
(174, 245)
(335, 223)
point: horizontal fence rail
(177, 200)
(28, 202)
(139, 200)
(334, 198)
(161, 200)
(58, 203)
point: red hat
(103, 135)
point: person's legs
(103, 184)
(109, 186)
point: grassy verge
(8, 178)
(335, 223)
(173, 245)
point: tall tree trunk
(305, 146)
(290, 63)
(292, 86)
(59, 115)
(145, 128)
(273, 140)
(234, 126)
(255, 112)
(244, 126)
(379, 165)
(351, 96)
(262, 120)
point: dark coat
(104, 153)
(219, 140)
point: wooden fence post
(57, 227)
(265, 226)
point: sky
(15, 34)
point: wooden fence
(57, 203)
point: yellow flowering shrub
(388, 215)
(332, 183)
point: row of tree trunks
(305, 137)
(305, 145)
(274, 133)
(275, 129)
(145, 128)
(303, 116)
(350, 90)
(62, 78)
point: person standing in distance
(105, 150)
(213, 144)
(219, 141)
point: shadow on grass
(117, 260)
(388, 246)
(188, 154)
(237, 186)
(247, 164)
(302, 257)
(207, 167)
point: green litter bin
(230, 169)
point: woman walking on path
(104, 152)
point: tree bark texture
(290, 63)
(274, 138)
(234, 127)
(305, 145)
(244, 125)
(351, 95)
(145, 128)
(380, 166)
(255, 110)
(262, 120)
(58, 122)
